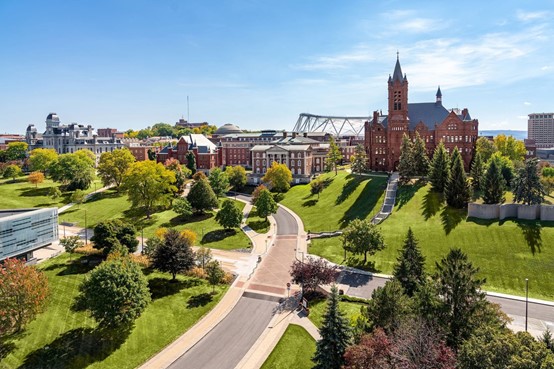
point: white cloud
(529, 16)
(546, 67)
(527, 103)
(339, 61)
(408, 20)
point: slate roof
(428, 113)
(296, 140)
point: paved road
(286, 224)
(231, 339)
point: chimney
(465, 113)
(293, 134)
(375, 116)
(284, 134)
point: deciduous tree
(510, 147)
(312, 273)
(201, 196)
(116, 292)
(335, 335)
(74, 171)
(219, 182)
(174, 255)
(334, 156)
(527, 187)
(70, 243)
(40, 159)
(215, 273)
(113, 165)
(485, 148)
(148, 184)
(203, 256)
(182, 207)
(23, 293)
(78, 196)
(410, 265)
(256, 193)
(278, 177)
(372, 351)
(36, 178)
(265, 204)
(359, 160)
(362, 237)
(229, 216)
(12, 171)
(16, 151)
(457, 190)
(316, 187)
(237, 177)
(439, 169)
(112, 233)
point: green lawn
(22, 194)
(318, 307)
(345, 198)
(258, 224)
(63, 338)
(294, 350)
(112, 205)
(507, 251)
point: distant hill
(520, 135)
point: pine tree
(334, 156)
(410, 267)
(359, 160)
(406, 164)
(477, 172)
(527, 186)
(419, 157)
(191, 162)
(457, 187)
(335, 336)
(439, 170)
(493, 185)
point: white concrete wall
(508, 211)
(529, 212)
(483, 211)
(547, 212)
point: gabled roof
(428, 113)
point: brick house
(205, 152)
(433, 122)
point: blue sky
(258, 64)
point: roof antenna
(188, 110)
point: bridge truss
(338, 126)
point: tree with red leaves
(373, 351)
(312, 273)
(23, 292)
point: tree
(78, 197)
(506, 167)
(485, 148)
(335, 335)
(203, 256)
(201, 196)
(191, 162)
(237, 177)
(16, 151)
(510, 147)
(493, 185)
(54, 192)
(148, 184)
(113, 165)
(70, 243)
(174, 255)
(477, 172)
(74, 171)
(112, 233)
(182, 207)
(163, 129)
(215, 273)
(180, 175)
(116, 292)
(219, 182)
(256, 193)
(279, 177)
(40, 159)
(362, 237)
(461, 294)
(36, 178)
(359, 160)
(457, 189)
(23, 293)
(334, 156)
(439, 169)
(229, 216)
(12, 171)
(316, 187)
(420, 159)
(151, 245)
(410, 265)
(265, 204)
(388, 307)
(312, 273)
(373, 351)
(527, 187)
(406, 163)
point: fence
(503, 211)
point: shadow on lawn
(432, 203)
(6, 347)
(364, 203)
(259, 225)
(217, 235)
(450, 218)
(349, 187)
(532, 234)
(199, 300)
(406, 192)
(32, 192)
(77, 348)
(310, 202)
(355, 262)
(162, 287)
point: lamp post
(86, 231)
(142, 239)
(526, 301)
(266, 246)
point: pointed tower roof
(397, 75)
(439, 93)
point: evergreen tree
(219, 182)
(174, 255)
(457, 187)
(419, 157)
(438, 173)
(477, 172)
(527, 186)
(191, 162)
(406, 164)
(410, 267)
(334, 156)
(335, 335)
(201, 196)
(359, 160)
(229, 216)
(493, 185)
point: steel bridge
(339, 126)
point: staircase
(390, 198)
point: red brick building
(433, 122)
(205, 152)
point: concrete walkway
(390, 199)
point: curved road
(230, 340)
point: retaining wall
(508, 211)
(547, 212)
(483, 211)
(519, 211)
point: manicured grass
(113, 205)
(63, 338)
(318, 307)
(258, 224)
(506, 251)
(22, 194)
(345, 198)
(294, 350)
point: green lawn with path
(63, 338)
(345, 197)
(258, 224)
(112, 205)
(317, 310)
(294, 350)
(22, 194)
(506, 251)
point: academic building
(540, 127)
(433, 122)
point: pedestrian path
(390, 198)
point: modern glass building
(24, 230)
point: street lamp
(142, 239)
(526, 301)
(266, 246)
